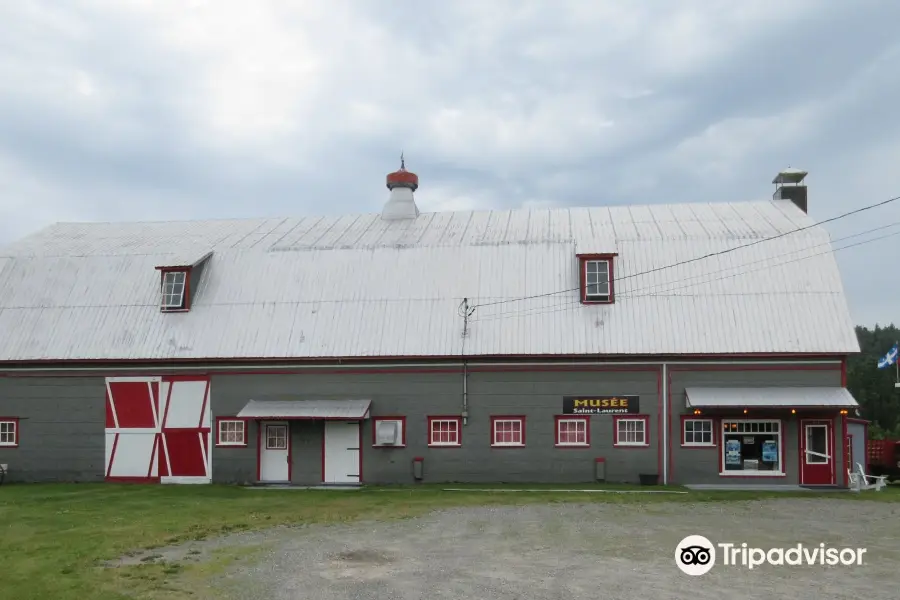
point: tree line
(872, 387)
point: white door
(342, 452)
(275, 453)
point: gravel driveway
(604, 551)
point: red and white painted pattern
(158, 429)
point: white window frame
(174, 299)
(457, 423)
(825, 460)
(518, 420)
(696, 444)
(219, 432)
(744, 430)
(9, 427)
(584, 421)
(598, 297)
(645, 441)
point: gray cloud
(132, 110)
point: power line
(840, 239)
(765, 267)
(664, 293)
(705, 256)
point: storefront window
(751, 446)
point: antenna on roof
(402, 162)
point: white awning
(786, 397)
(350, 410)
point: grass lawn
(54, 538)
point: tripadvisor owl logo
(696, 555)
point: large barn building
(678, 343)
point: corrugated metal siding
(360, 286)
(736, 397)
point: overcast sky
(179, 109)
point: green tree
(872, 387)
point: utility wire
(765, 267)
(740, 266)
(705, 256)
(663, 293)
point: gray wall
(701, 465)
(536, 395)
(61, 428)
(62, 424)
(858, 431)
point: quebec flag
(889, 358)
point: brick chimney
(791, 187)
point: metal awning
(765, 397)
(350, 410)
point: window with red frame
(444, 431)
(597, 278)
(507, 431)
(572, 431)
(9, 432)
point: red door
(816, 453)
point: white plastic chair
(853, 481)
(860, 481)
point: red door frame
(848, 451)
(816, 474)
(261, 431)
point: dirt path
(565, 551)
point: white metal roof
(360, 286)
(306, 409)
(703, 397)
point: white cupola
(401, 204)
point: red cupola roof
(402, 178)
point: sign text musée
(600, 405)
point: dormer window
(597, 281)
(178, 280)
(174, 290)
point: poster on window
(770, 451)
(733, 452)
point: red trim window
(231, 432)
(444, 431)
(697, 432)
(9, 432)
(389, 432)
(632, 431)
(175, 290)
(597, 278)
(508, 432)
(573, 431)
